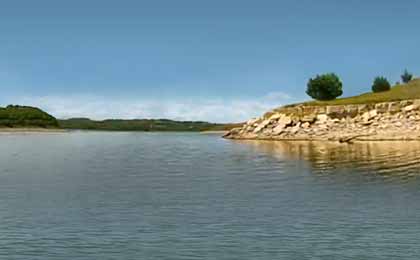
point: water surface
(99, 195)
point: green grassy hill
(410, 90)
(32, 117)
(139, 125)
(24, 116)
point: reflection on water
(396, 158)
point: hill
(140, 125)
(400, 92)
(25, 117)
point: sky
(218, 60)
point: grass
(410, 90)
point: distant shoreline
(32, 130)
(16, 118)
(62, 130)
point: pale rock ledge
(399, 120)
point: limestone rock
(275, 116)
(306, 125)
(366, 123)
(233, 132)
(261, 126)
(390, 120)
(334, 110)
(308, 118)
(278, 129)
(322, 118)
(410, 108)
(394, 107)
(285, 120)
(369, 115)
(373, 113)
(252, 121)
(295, 129)
(381, 107)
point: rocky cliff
(398, 120)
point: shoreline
(64, 130)
(388, 121)
(353, 140)
(32, 130)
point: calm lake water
(90, 195)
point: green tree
(406, 76)
(325, 87)
(380, 84)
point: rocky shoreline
(388, 121)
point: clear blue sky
(189, 59)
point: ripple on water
(90, 195)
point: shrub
(406, 77)
(380, 84)
(325, 87)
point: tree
(380, 84)
(325, 87)
(406, 77)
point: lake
(104, 195)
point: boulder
(322, 118)
(285, 120)
(367, 116)
(362, 108)
(335, 110)
(278, 129)
(351, 110)
(253, 121)
(295, 129)
(308, 118)
(261, 126)
(381, 107)
(410, 108)
(394, 107)
(275, 116)
(306, 125)
(233, 132)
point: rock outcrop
(399, 120)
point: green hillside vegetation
(398, 92)
(140, 125)
(24, 116)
